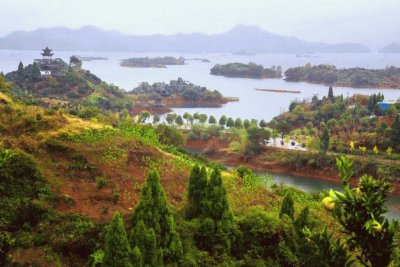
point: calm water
(252, 104)
(310, 184)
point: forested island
(157, 62)
(250, 70)
(352, 77)
(180, 93)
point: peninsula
(352, 77)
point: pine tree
(216, 201)
(144, 245)
(325, 139)
(35, 75)
(154, 212)
(21, 71)
(287, 206)
(196, 191)
(217, 225)
(330, 94)
(116, 250)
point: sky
(373, 22)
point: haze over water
(252, 104)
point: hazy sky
(368, 21)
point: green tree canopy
(116, 248)
(154, 212)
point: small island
(391, 48)
(157, 62)
(250, 70)
(90, 58)
(352, 77)
(178, 93)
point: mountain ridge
(241, 37)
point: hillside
(74, 193)
(249, 38)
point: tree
(325, 139)
(155, 214)
(238, 123)
(395, 139)
(35, 74)
(263, 124)
(196, 191)
(75, 61)
(186, 116)
(330, 94)
(144, 243)
(361, 213)
(179, 120)
(230, 123)
(246, 123)
(222, 120)
(156, 119)
(144, 115)
(116, 248)
(196, 116)
(256, 140)
(287, 206)
(170, 118)
(212, 120)
(202, 118)
(217, 225)
(21, 71)
(169, 135)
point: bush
(101, 182)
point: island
(388, 77)
(178, 93)
(81, 58)
(157, 62)
(250, 70)
(391, 48)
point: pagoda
(47, 55)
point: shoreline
(277, 91)
(272, 166)
(342, 84)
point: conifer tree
(330, 94)
(154, 213)
(21, 71)
(217, 226)
(35, 75)
(196, 191)
(116, 250)
(144, 245)
(287, 206)
(325, 139)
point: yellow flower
(377, 227)
(329, 203)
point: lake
(252, 105)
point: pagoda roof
(47, 52)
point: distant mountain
(248, 38)
(391, 48)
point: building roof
(47, 52)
